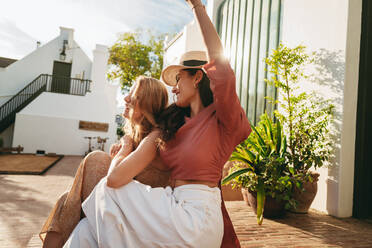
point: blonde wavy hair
(152, 98)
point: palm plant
(261, 164)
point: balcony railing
(44, 82)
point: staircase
(43, 83)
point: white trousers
(137, 215)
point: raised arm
(211, 39)
(222, 79)
(134, 163)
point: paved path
(299, 230)
(27, 200)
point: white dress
(137, 215)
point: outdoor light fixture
(62, 55)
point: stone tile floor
(25, 202)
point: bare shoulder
(155, 133)
(151, 137)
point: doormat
(26, 164)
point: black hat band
(194, 62)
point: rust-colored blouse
(204, 143)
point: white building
(338, 31)
(55, 96)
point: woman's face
(131, 108)
(185, 89)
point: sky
(24, 22)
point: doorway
(61, 81)
(362, 204)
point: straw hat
(192, 59)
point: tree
(134, 54)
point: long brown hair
(152, 98)
(173, 117)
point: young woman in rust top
(197, 135)
(214, 122)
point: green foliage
(262, 163)
(135, 54)
(265, 164)
(119, 131)
(306, 119)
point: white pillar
(99, 69)
(348, 131)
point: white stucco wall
(174, 49)
(17, 75)
(53, 135)
(51, 108)
(190, 39)
(333, 34)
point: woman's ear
(198, 77)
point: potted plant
(261, 168)
(306, 120)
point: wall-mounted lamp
(62, 55)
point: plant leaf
(260, 202)
(278, 136)
(235, 156)
(234, 175)
(260, 139)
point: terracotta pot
(231, 194)
(228, 193)
(245, 196)
(272, 208)
(305, 198)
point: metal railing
(44, 82)
(66, 85)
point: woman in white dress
(67, 212)
(195, 138)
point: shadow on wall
(329, 76)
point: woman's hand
(126, 143)
(124, 147)
(114, 149)
(120, 151)
(194, 3)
